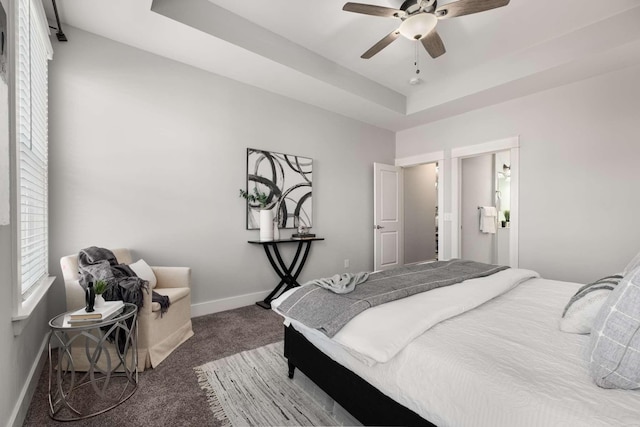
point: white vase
(266, 224)
(99, 301)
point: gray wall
(420, 200)
(148, 153)
(477, 178)
(580, 146)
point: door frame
(433, 157)
(457, 154)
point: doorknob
(377, 227)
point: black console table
(288, 273)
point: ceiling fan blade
(386, 41)
(369, 9)
(433, 44)
(467, 7)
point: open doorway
(389, 211)
(502, 173)
(420, 213)
(485, 207)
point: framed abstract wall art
(287, 181)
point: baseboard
(215, 306)
(19, 412)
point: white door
(387, 218)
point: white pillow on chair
(143, 271)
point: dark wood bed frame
(362, 400)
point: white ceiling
(310, 50)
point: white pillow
(580, 315)
(583, 307)
(143, 271)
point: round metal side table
(111, 378)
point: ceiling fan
(419, 19)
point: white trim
(513, 145)
(436, 156)
(21, 407)
(22, 311)
(441, 178)
(223, 304)
(487, 147)
(14, 51)
(514, 218)
(455, 208)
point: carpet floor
(170, 395)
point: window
(33, 51)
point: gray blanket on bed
(328, 312)
(341, 283)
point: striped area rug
(252, 389)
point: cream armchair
(158, 335)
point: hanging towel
(488, 219)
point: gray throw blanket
(328, 312)
(123, 284)
(340, 283)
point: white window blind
(34, 51)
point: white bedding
(505, 363)
(379, 333)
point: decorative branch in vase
(266, 215)
(258, 197)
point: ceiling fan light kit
(419, 20)
(417, 26)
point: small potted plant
(99, 287)
(507, 215)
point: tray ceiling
(310, 50)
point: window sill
(22, 313)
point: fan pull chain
(417, 60)
(416, 80)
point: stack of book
(100, 313)
(303, 236)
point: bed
(492, 361)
